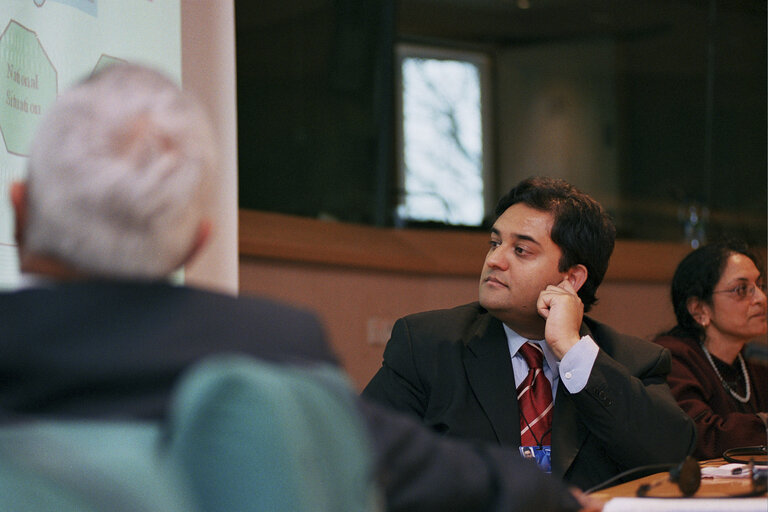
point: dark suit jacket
(452, 369)
(109, 349)
(116, 349)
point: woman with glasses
(718, 293)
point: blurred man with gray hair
(117, 178)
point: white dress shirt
(573, 369)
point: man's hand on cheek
(563, 310)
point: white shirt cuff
(576, 365)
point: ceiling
(505, 22)
(669, 36)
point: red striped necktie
(534, 397)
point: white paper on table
(686, 505)
(727, 471)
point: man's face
(522, 260)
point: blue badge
(541, 455)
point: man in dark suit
(607, 404)
(115, 203)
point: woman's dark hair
(581, 229)
(696, 276)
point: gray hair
(118, 175)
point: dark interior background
(316, 100)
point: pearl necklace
(742, 399)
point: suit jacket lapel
(568, 433)
(489, 373)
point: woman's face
(738, 308)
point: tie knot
(533, 355)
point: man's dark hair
(582, 229)
(696, 276)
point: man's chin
(516, 320)
(492, 304)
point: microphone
(756, 352)
(687, 476)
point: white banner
(46, 46)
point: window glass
(441, 143)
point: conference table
(715, 493)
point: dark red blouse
(722, 422)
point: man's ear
(698, 310)
(577, 276)
(203, 234)
(18, 193)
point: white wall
(208, 69)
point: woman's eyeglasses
(744, 290)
